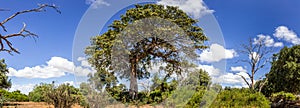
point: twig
(23, 32)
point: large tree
(151, 25)
(285, 71)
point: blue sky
(52, 55)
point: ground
(33, 105)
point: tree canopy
(62, 96)
(285, 71)
(143, 35)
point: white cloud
(61, 64)
(196, 8)
(55, 67)
(234, 80)
(238, 69)
(282, 32)
(84, 62)
(36, 72)
(267, 41)
(226, 78)
(216, 53)
(211, 70)
(97, 3)
(278, 44)
(25, 88)
(254, 56)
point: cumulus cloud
(55, 67)
(227, 78)
(196, 8)
(254, 56)
(278, 44)
(211, 70)
(267, 41)
(24, 88)
(97, 3)
(84, 62)
(282, 32)
(237, 69)
(216, 53)
(233, 79)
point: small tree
(62, 96)
(38, 92)
(4, 81)
(258, 57)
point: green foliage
(15, 96)
(38, 94)
(240, 98)
(62, 96)
(4, 81)
(96, 99)
(195, 100)
(276, 97)
(285, 71)
(142, 53)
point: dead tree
(5, 43)
(258, 57)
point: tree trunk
(133, 80)
(252, 75)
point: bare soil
(45, 105)
(33, 105)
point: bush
(285, 96)
(15, 96)
(238, 98)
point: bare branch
(23, 32)
(245, 81)
(38, 9)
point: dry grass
(33, 105)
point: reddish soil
(33, 105)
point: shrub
(238, 98)
(285, 96)
(15, 96)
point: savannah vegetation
(277, 88)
